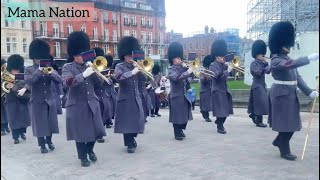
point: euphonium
(7, 79)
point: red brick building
(112, 19)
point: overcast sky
(187, 16)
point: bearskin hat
(15, 62)
(98, 51)
(127, 45)
(281, 35)
(78, 42)
(109, 60)
(39, 49)
(175, 50)
(156, 69)
(258, 47)
(219, 48)
(207, 61)
(3, 61)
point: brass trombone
(236, 65)
(195, 64)
(145, 66)
(98, 65)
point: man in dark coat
(43, 107)
(221, 96)
(4, 119)
(17, 99)
(129, 116)
(258, 101)
(153, 85)
(101, 92)
(83, 113)
(111, 92)
(179, 105)
(205, 90)
(284, 107)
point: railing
(143, 25)
(49, 34)
(114, 21)
(133, 24)
(126, 23)
(150, 26)
(106, 20)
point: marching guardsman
(179, 105)
(258, 101)
(111, 92)
(205, 90)
(83, 114)
(221, 97)
(4, 119)
(16, 102)
(284, 108)
(153, 84)
(129, 117)
(101, 92)
(146, 102)
(43, 107)
(57, 90)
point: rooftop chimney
(206, 30)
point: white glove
(149, 86)
(313, 57)
(21, 91)
(230, 68)
(190, 70)
(89, 63)
(88, 72)
(135, 70)
(40, 68)
(314, 94)
(61, 96)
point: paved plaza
(244, 153)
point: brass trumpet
(145, 66)
(47, 70)
(195, 64)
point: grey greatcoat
(83, 114)
(57, 91)
(258, 101)
(205, 93)
(146, 101)
(155, 102)
(284, 107)
(112, 94)
(180, 107)
(221, 95)
(4, 118)
(17, 109)
(43, 107)
(104, 100)
(129, 117)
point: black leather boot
(85, 162)
(182, 134)
(3, 133)
(16, 141)
(7, 130)
(23, 136)
(177, 134)
(43, 149)
(221, 129)
(92, 156)
(253, 117)
(51, 146)
(100, 140)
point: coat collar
(78, 65)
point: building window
(126, 33)
(109, 1)
(143, 21)
(196, 47)
(106, 34)
(160, 38)
(202, 46)
(144, 50)
(95, 33)
(57, 49)
(145, 7)
(11, 43)
(143, 37)
(24, 45)
(95, 16)
(95, 45)
(160, 51)
(150, 51)
(114, 35)
(43, 28)
(134, 33)
(105, 16)
(190, 47)
(55, 27)
(106, 48)
(114, 18)
(83, 28)
(115, 50)
(69, 28)
(130, 5)
(133, 20)
(149, 38)
(23, 24)
(126, 19)
(160, 24)
(149, 22)
(6, 23)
